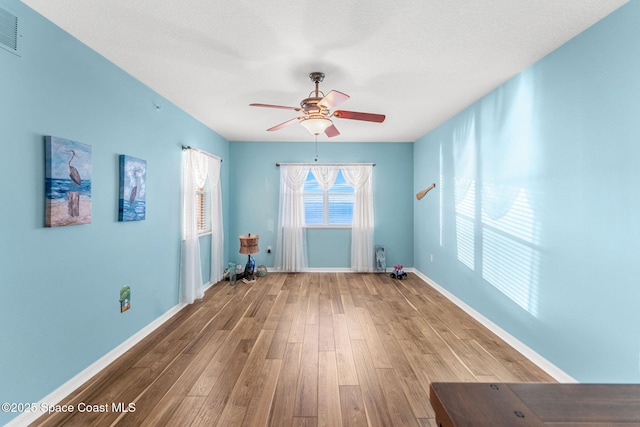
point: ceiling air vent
(8, 31)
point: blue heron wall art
(67, 182)
(133, 178)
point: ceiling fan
(316, 109)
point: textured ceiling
(417, 61)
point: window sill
(329, 226)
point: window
(331, 208)
(203, 208)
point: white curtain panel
(217, 228)
(195, 170)
(325, 175)
(291, 249)
(362, 228)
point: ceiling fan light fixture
(317, 109)
(316, 125)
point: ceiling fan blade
(354, 115)
(332, 131)
(285, 124)
(333, 99)
(282, 107)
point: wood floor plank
(244, 303)
(417, 362)
(276, 310)
(329, 413)
(264, 308)
(304, 422)
(353, 322)
(446, 366)
(216, 400)
(335, 291)
(258, 411)
(357, 290)
(283, 329)
(417, 397)
(352, 407)
(369, 284)
(343, 286)
(306, 397)
(184, 384)
(238, 403)
(161, 414)
(230, 348)
(346, 366)
(296, 333)
(416, 394)
(313, 303)
(397, 403)
(326, 335)
(372, 389)
(300, 349)
(378, 353)
(275, 283)
(149, 398)
(281, 413)
(479, 361)
(217, 319)
(427, 422)
(124, 389)
(189, 406)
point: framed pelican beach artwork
(133, 179)
(67, 182)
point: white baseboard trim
(70, 386)
(525, 350)
(322, 270)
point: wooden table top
(535, 404)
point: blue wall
(535, 219)
(255, 185)
(60, 287)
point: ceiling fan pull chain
(316, 158)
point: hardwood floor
(299, 349)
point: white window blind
(330, 208)
(203, 208)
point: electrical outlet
(269, 249)
(431, 259)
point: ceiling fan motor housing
(310, 106)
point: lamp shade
(316, 125)
(249, 244)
